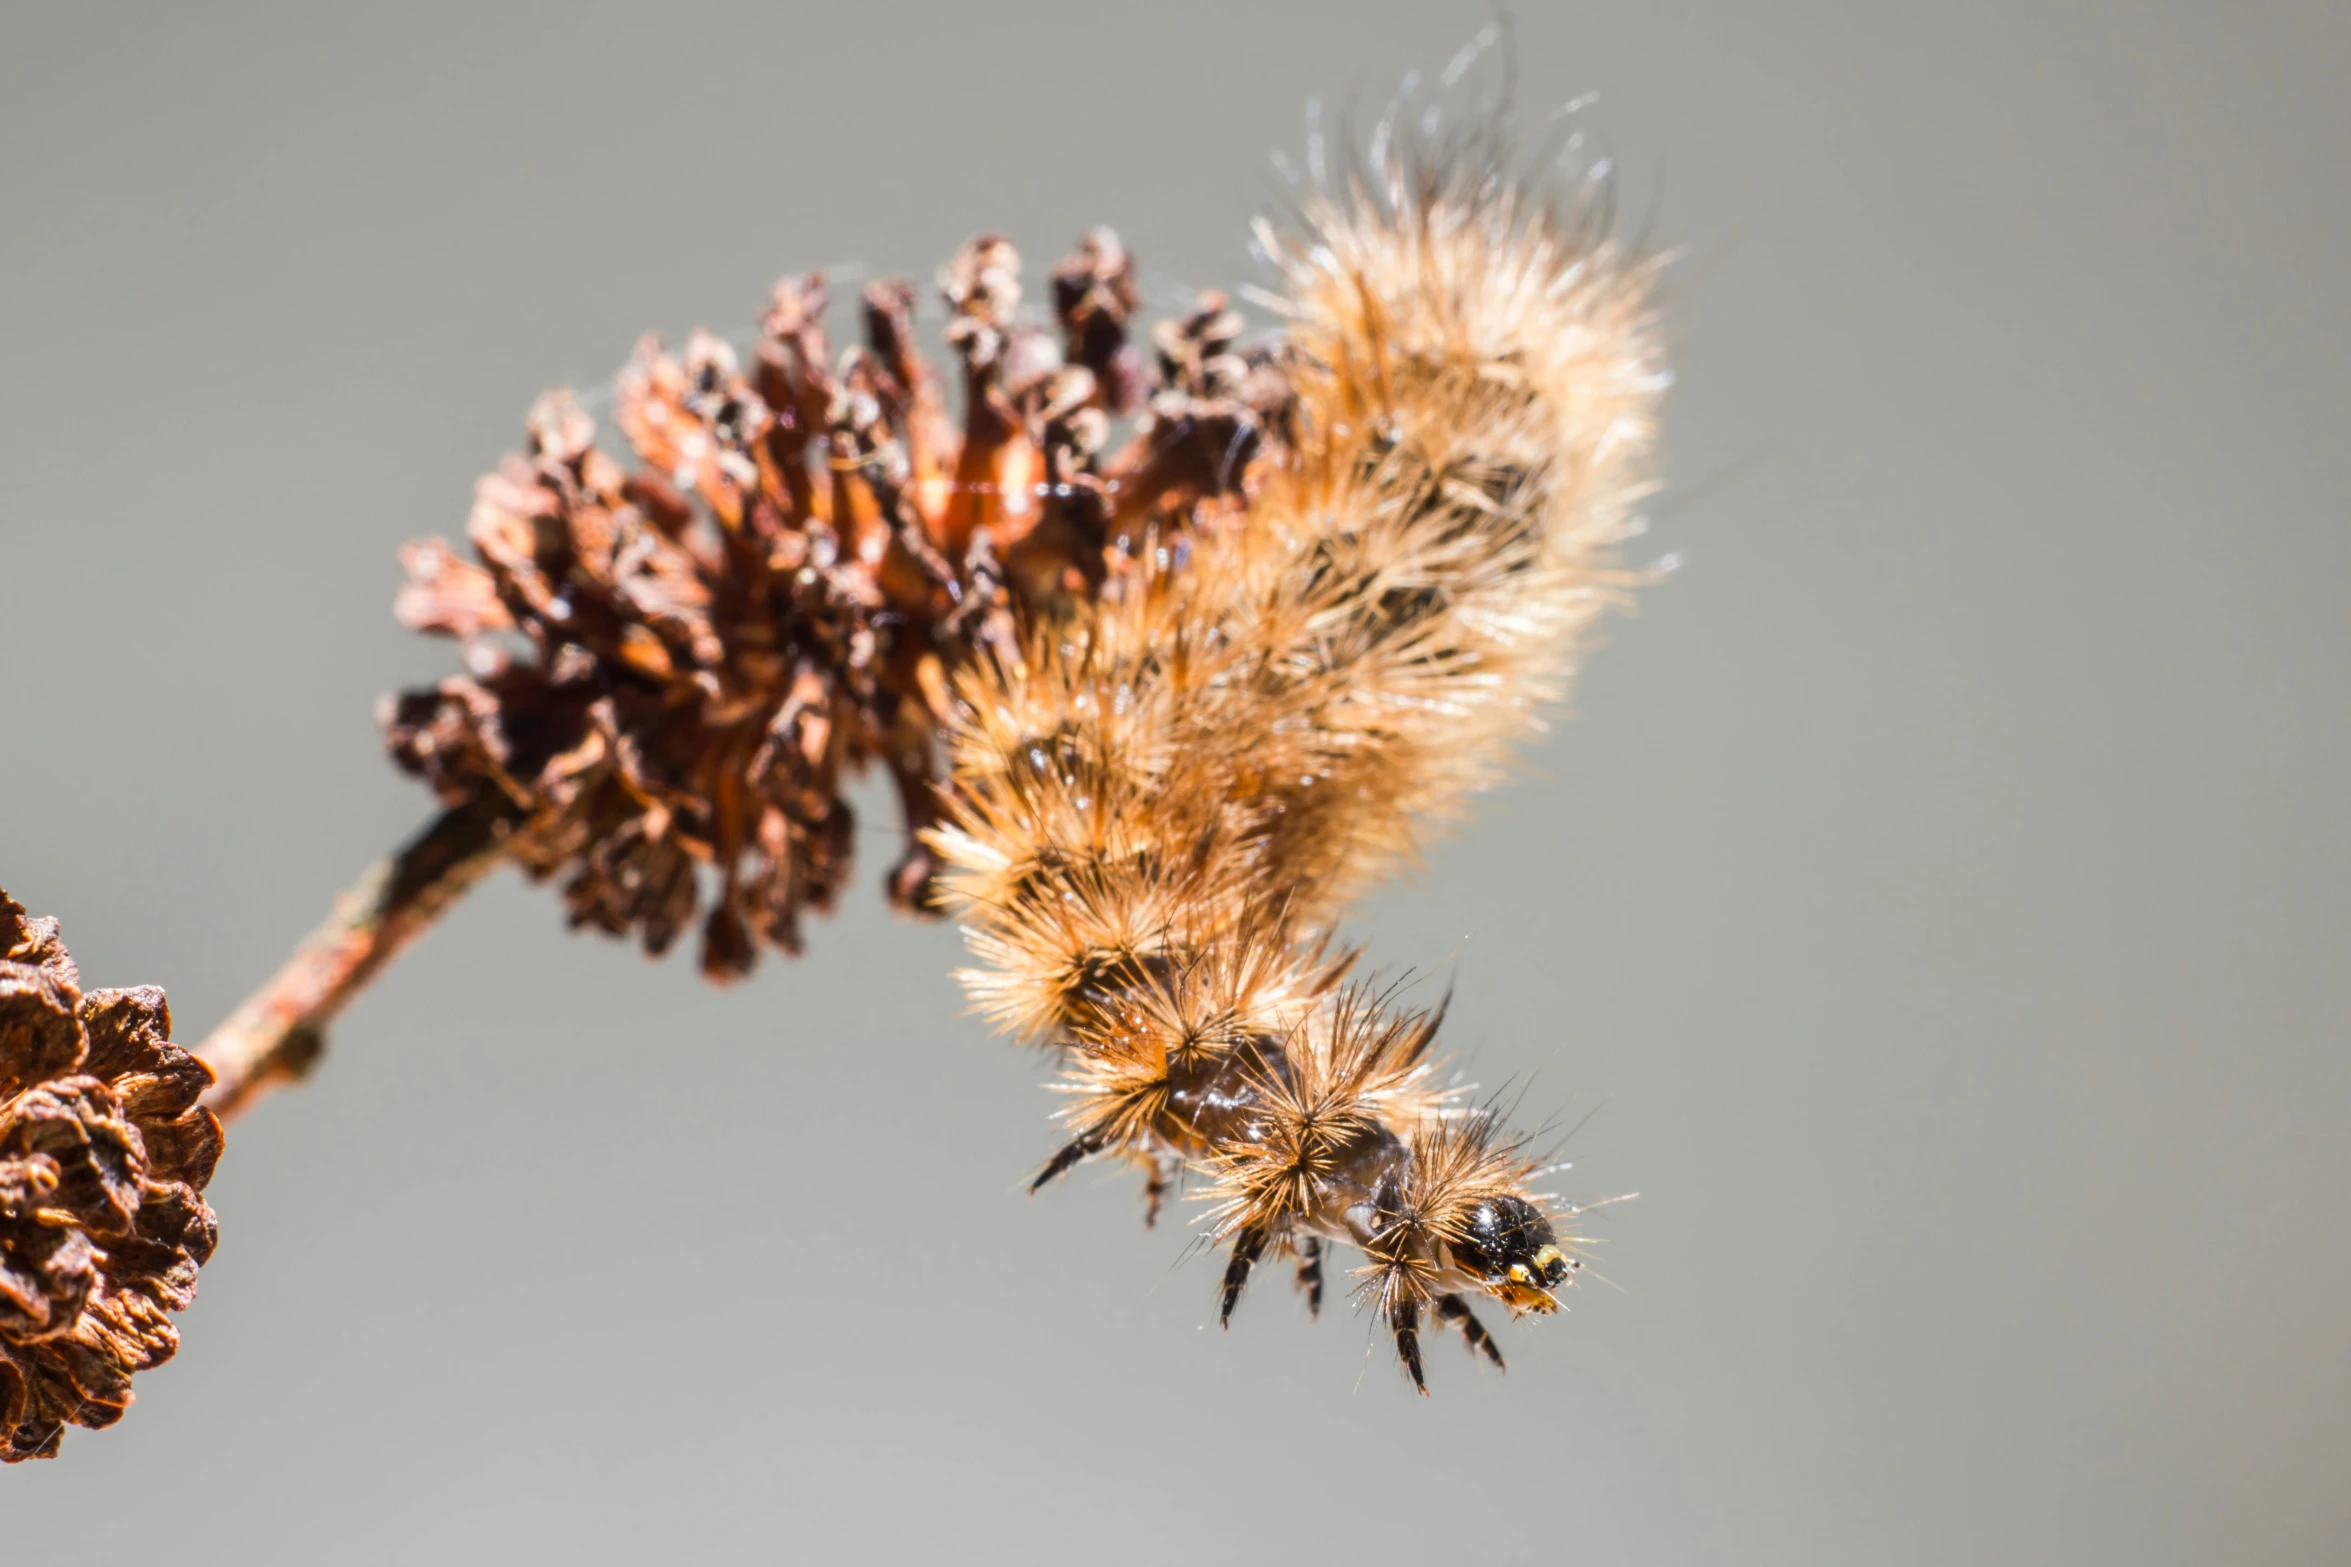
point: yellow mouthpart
(1522, 1290)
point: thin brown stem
(279, 1032)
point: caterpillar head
(1508, 1246)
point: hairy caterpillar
(1164, 801)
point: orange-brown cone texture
(675, 666)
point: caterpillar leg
(1247, 1248)
(1070, 1156)
(1454, 1309)
(1155, 1188)
(1404, 1317)
(1310, 1274)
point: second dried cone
(104, 1156)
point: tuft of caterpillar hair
(1164, 802)
(1477, 372)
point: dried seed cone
(676, 667)
(104, 1153)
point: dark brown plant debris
(674, 666)
(103, 1154)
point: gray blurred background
(1940, 893)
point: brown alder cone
(103, 1154)
(674, 667)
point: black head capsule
(1510, 1248)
